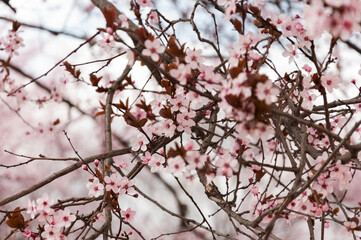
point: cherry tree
(203, 119)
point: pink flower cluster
(55, 220)
(11, 43)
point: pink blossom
(307, 68)
(169, 128)
(31, 208)
(226, 165)
(146, 157)
(27, 233)
(175, 165)
(291, 52)
(139, 143)
(185, 121)
(112, 182)
(126, 186)
(44, 203)
(156, 163)
(179, 103)
(51, 232)
(65, 218)
(153, 18)
(124, 20)
(128, 215)
(350, 225)
(196, 160)
(145, 3)
(95, 188)
(107, 42)
(254, 190)
(153, 49)
(121, 163)
(182, 73)
(194, 58)
(330, 81)
(266, 91)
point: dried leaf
(94, 79)
(166, 112)
(16, 220)
(99, 175)
(110, 16)
(56, 122)
(259, 175)
(238, 25)
(174, 49)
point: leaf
(99, 114)
(168, 87)
(101, 89)
(166, 112)
(174, 49)
(121, 105)
(56, 122)
(335, 211)
(259, 175)
(142, 122)
(177, 151)
(71, 69)
(143, 34)
(255, 10)
(16, 26)
(99, 175)
(131, 120)
(110, 16)
(94, 79)
(233, 100)
(358, 228)
(355, 219)
(238, 25)
(235, 71)
(16, 220)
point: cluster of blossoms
(207, 105)
(55, 220)
(338, 17)
(11, 43)
(115, 183)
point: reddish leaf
(71, 69)
(56, 122)
(16, 220)
(174, 49)
(166, 112)
(177, 151)
(237, 70)
(99, 175)
(358, 228)
(101, 90)
(255, 10)
(99, 114)
(259, 175)
(131, 120)
(123, 106)
(142, 122)
(110, 16)
(355, 219)
(233, 100)
(238, 25)
(168, 87)
(94, 79)
(143, 34)
(16, 26)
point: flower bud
(96, 162)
